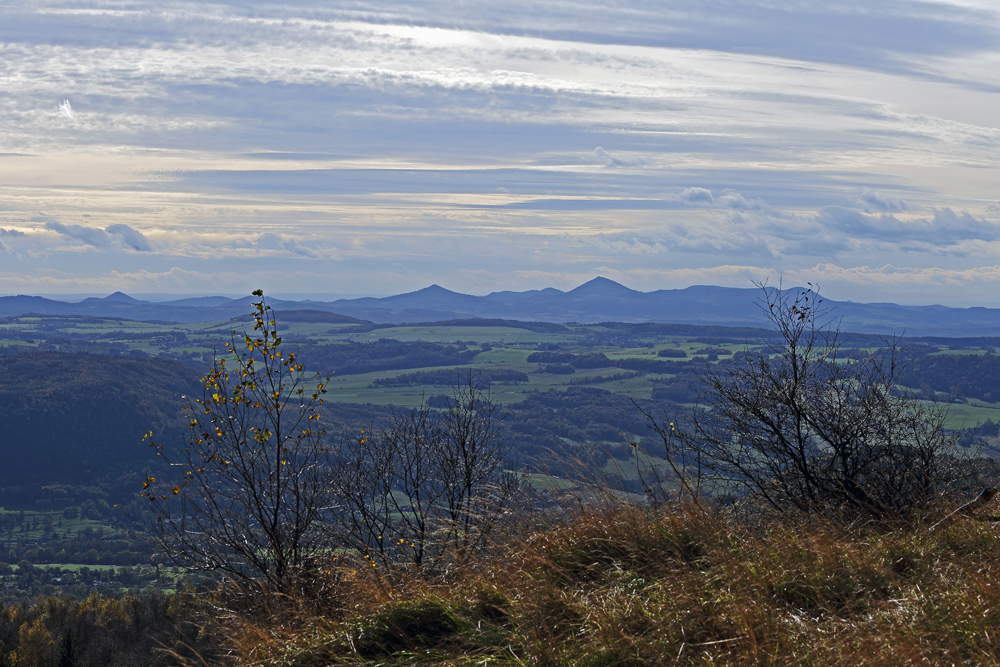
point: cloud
(890, 275)
(114, 235)
(613, 161)
(736, 200)
(726, 199)
(8, 233)
(626, 244)
(92, 236)
(965, 226)
(732, 233)
(731, 224)
(943, 231)
(871, 201)
(130, 237)
(271, 241)
(695, 196)
(66, 109)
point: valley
(84, 389)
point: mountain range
(599, 300)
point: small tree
(478, 490)
(801, 425)
(252, 482)
(428, 485)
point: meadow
(619, 583)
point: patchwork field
(481, 347)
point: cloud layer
(512, 145)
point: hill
(78, 419)
(599, 300)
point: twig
(718, 641)
(967, 509)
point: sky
(376, 147)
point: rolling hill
(599, 300)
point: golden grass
(629, 586)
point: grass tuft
(408, 626)
(626, 585)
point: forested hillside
(78, 419)
(959, 375)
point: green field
(34, 522)
(505, 347)
(511, 345)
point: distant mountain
(117, 297)
(599, 300)
(121, 305)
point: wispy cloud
(733, 228)
(92, 236)
(66, 109)
(632, 161)
(693, 195)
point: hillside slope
(79, 418)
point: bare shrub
(799, 425)
(427, 486)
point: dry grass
(627, 586)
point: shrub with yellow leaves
(251, 484)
